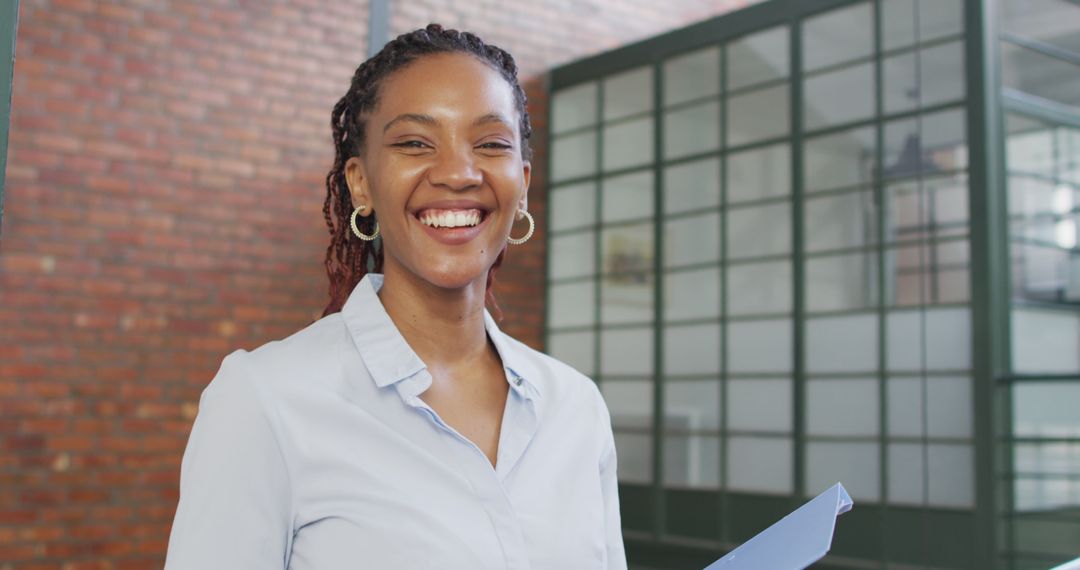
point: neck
(444, 326)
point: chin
(455, 274)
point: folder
(796, 541)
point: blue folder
(796, 541)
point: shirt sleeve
(616, 553)
(235, 499)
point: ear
(356, 178)
(526, 176)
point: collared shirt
(316, 452)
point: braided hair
(348, 258)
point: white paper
(796, 541)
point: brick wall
(163, 207)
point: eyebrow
(414, 118)
(433, 122)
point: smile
(450, 218)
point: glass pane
(1045, 341)
(692, 294)
(760, 404)
(944, 140)
(1039, 75)
(949, 198)
(626, 352)
(759, 346)
(1043, 273)
(846, 343)
(692, 76)
(692, 130)
(1047, 458)
(840, 282)
(840, 160)
(573, 156)
(906, 474)
(948, 339)
(628, 93)
(758, 115)
(838, 36)
(759, 173)
(759, 464)
(578, 349)
(692, 404)
(693, 239)
(855, 463)
(906, 280)
(1030, 146)
(630, 403)
(692, 461)
(942, 73)
(949, 407)
(628, 197)
(1045, 409)
(572, 255)
(628, 144)
(573, 206)
(907, 213)
(902, 152)
(573, 107)
(904, 399)
(1043, 493)
(936, 142)
(951, 474)
(626, 290)
(693, 349)
(759, 288)
(947, 412)
(626, 299)
(1047, 21)
(936, 19)
(759, 230)
(904, 340)
(940, 18)
(839, 220)
(635, 457)
(628, 250)
(838, 96)
(692, 186)
(842, 407)
(759, 57)
(571, 304)
(900, 89)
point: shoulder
(298, 359)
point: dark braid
(348, 258)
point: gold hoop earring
(356, 231)
(528, 234)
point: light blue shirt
(316, 453)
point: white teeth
(450, 218)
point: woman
(403, 429)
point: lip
(453, 236)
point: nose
(455, 169)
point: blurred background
(795, 242)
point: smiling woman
(404, 429)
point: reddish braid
(348, 258)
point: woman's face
(442, 169)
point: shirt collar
(390, 359)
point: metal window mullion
(599, 225)
(659, 500)
(989, 261)
(878, 189)
(798, 377)
(724, 498)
